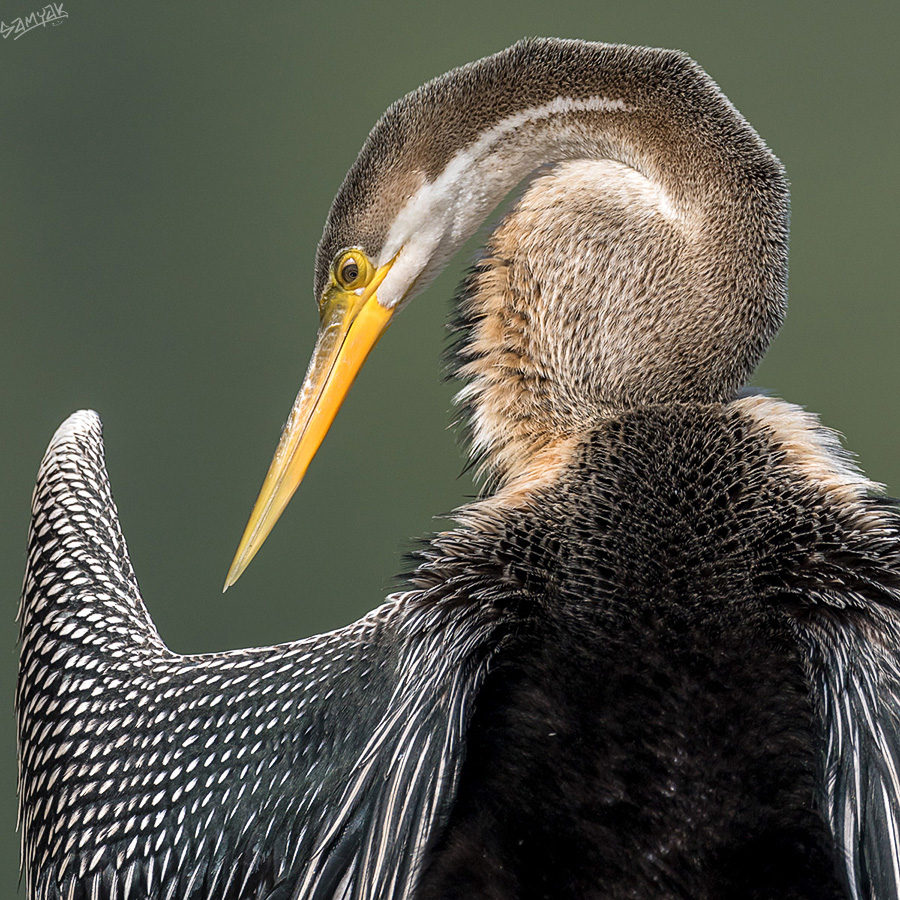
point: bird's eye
(352, 270)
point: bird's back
(651, 726)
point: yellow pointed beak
(351, 324)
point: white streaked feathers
(143, 773)
(856, 679)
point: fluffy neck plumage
(594, 297)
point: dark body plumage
(659, 659)
(647, 728)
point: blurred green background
(166, 169)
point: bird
(655, 657)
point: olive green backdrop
(165, 170)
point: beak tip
(238, 564)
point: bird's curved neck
(647, 264)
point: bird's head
(647, 265)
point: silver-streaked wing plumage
(263, 772)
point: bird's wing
(317, 769)
(852, 636)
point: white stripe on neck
(444, 213)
